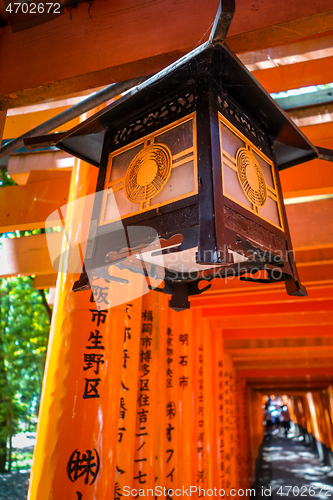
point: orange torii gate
(220, 364)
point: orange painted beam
(290, 372)
(315, 174)
(298, 47)
(260, 299)
(313, 319)
(302, 306)
(28, 206)
(28, 255)
(321, 134)
(43, 281)
(297, 75)
(278, 332)
(311, 224)
(94, 45)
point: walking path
(289, 469)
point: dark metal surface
(71, 113)
(222, 21)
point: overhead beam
(274, 363)
(104, 42)
(28, 206)
(314, 319)
(278, 332)
(43, 281)
(281, 373)
(28, 255)
(297, 75)
(262, 298)
(241, 310)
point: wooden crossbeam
(45, 281)
(291, 372)
(295, 76)
(277, 332)
(94, 45)
(28, 206)
(248, 311)
(28, 255)
(314, 319)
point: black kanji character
(141, 476)
(145, 370)
(171, 409)
(183, 338)
(144, 384)
(147, 328)
(91, 360)
(183, 381)
(127, 334)
(117, 492)
(142, 433)
(90, 390)
(121, 431)
(143, 400)
(183, 360)
(147, 315)
(145, 356)
(86, 465)
(124, 386)
(95, 340)
(146, 341)
(168, 431)
(200, 476)
(143, 416)
(170, 456)
(125, 358)
(128, 310)
(170, 475)
(99, 314)
(123, 409)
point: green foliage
(5, 180)
(24, 332)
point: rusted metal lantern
(194, 153)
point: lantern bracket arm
(224, 16)
(324, 153)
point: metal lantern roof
(217, 62)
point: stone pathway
(14, 485)
(289, 469)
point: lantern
(192, 155)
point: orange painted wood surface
(297, 75)
(28, 206)
(99, 44)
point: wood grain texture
(112, 41)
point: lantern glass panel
(248, 175)
(158, 169)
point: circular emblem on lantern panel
(148, 173)
(250, 177)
